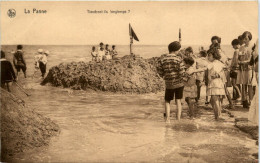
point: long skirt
(247, 77)
(253, 113)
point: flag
(132, 33)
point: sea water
(108, 127)
(69, 53)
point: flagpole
(180, 35)
(131, 43)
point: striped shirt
(172, 69)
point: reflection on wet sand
(108, 127)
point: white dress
(253, 110)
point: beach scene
(83, 110)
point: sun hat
(40, 51)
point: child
(215, 81)
(235, 68)
(113, 52)
(100, 54)
(201, 62)
(43, 62)
(36, 61)
(107, 53)
(188, 52)
(94, 54)
(190, 88)
(215, 40)
(7, 72)
(19, 61)
(172, 70)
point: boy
(19, 61)
(7, 72)
(172, 71)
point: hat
(47, 52)
(40, 51)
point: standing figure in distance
(18, 60)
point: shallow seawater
(106, 127)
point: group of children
(7, 72)
(103, 53)
(185, 72)
(244, 69)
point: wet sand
(106, 127)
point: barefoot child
(19, 61)
(235, 68)
(172, 69)
(190, 87)
(215, 77)
(36, 61)
(43, 62)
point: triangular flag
(132, 33)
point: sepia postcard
(129, 81)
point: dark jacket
(7, 71)
(18, 58)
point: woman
(253, 110)
(245, 73)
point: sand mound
(127, 74)
(21, 127)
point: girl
(215, 81)
(245, 74)
(235, 68)
(190, 87)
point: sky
(155, 23)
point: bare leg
(250, 92)
(243, 92)
(179, 108)
(216, 106)
(190, 103)
(9, 84)
(198, 83)
(167, 111)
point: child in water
(215, 75)
(190, 87)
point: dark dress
(7, 71)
